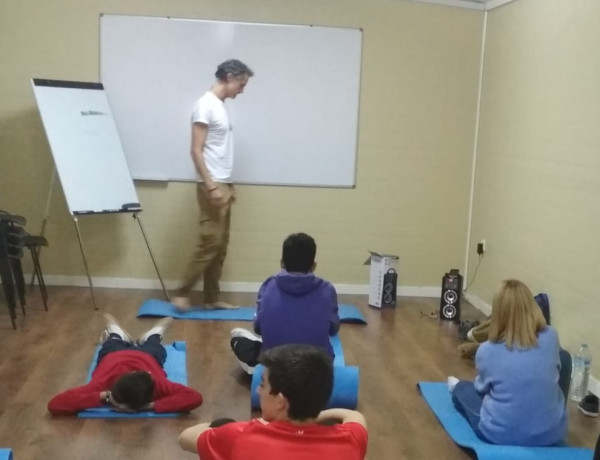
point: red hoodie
(168, 396)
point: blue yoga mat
(176, 370)
(158, 308)
(345, 381)
(6, 454)
(439, 399)
(338, 353)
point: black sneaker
(589, 405)
(465, 327)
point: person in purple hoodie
(293, 307)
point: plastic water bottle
(581, 373)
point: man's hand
(119, 407)
(216, 197)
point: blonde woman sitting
(516, 398)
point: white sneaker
(159, 328)
(470, 337)
(452, 381)
(246, 367)
(113, 327)
(241, 332)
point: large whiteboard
(295, 124)
(86, 148)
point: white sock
(452, 381)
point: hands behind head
(119, 407)
(122, 407)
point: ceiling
(482, 5)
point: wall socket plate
(481, 247)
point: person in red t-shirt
(129, 377)
(296, 384)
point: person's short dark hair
(298, 253)
(234, 68)
(301, 373)
(134, 389)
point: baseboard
(229, 286)
(478, 303)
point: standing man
(212, 152)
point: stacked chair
(13, 240)
(34, 244)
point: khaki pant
(211, 249)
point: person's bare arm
(343, 415)
(199, 135)
(188, 439)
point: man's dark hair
(234, 68)
(298, 254)
(301, 373)
(134, 389)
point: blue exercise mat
(338, 353)
(158, 308)
(175, 367)
(6, 454)
(439, 399)
(345, 381)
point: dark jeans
(468, 401)
(152, 346)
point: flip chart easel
(88, 156)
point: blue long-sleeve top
(296, 308)
(523, 403)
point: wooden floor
(51, 351)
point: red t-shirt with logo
(279, 440)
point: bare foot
(181, 303)
(221, 305)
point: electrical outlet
(481, 247)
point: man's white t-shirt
(218, 149)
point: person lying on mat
(296, 384)
(294, 306)
(516, 398)
(129, 377)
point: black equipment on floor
(451, 292)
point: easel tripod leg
(137, 217)
(46, 217)
(87, 271)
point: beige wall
(537, 193)
(418, 96)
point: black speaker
(451, 291)
(390, 281)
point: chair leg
(40, 277)
(19, 279)
(9, 290)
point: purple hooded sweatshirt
(296, 308)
